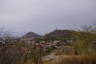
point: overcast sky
(42, 16)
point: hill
(31, 34)
(59, 34)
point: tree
(9, 53)
(85, 40)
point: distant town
(51, 46)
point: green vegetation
(82, 44)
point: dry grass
(80, 59)
(70, 59)
(74, 59)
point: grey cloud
(42, 16)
